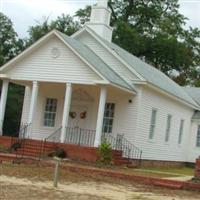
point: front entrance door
(78, 116)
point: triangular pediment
(50, 60)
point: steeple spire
(103, 3)
(100, 20)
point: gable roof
(148, 72)
(84, 52)
(194, 92)
(96, 62)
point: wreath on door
(72, 115)
(83, 115)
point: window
(168, 127)
(50, 112)
(198, 137)
(108, 117)
(181, 132)
(153, 123)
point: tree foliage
(10, 46)
(155, 30)
(65, 23)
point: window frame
(108, 127)
(181, 131)
(153, 124)
(50, 112)
(198, 136)
(168, 128)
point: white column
(99, 126)
(4, 93)
(33, 104)
(66, 110)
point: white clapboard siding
(125, 116)
(193, 150)
(41, 65)
(157, 148)
(58, 91)
(107, 57)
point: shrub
(105, 153)
(15, 146)
(60, 153)
(4, 149)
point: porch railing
(86, 137)
(79, 136)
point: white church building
(86, 82)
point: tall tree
(10, 46)
(64, 23)
(155, 30)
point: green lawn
(186, 171)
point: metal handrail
(21, 139)
(52, 137)
(129, 150)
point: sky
(25, 13)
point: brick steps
(36, 148)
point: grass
(4, 149)
(185, 171)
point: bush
(15, 146)
(60, 153)
(105, 153)
(4, 149)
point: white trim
(60, 81)
(3, 76)
(124, 89)
(99, 23)
(85, 28)
(171, 96)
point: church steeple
(100, 20)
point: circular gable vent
(55, 52)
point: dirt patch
(18, 188)
(35, 183)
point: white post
(33, 104)
(66, 110)
(99, 126)
(4, 93)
